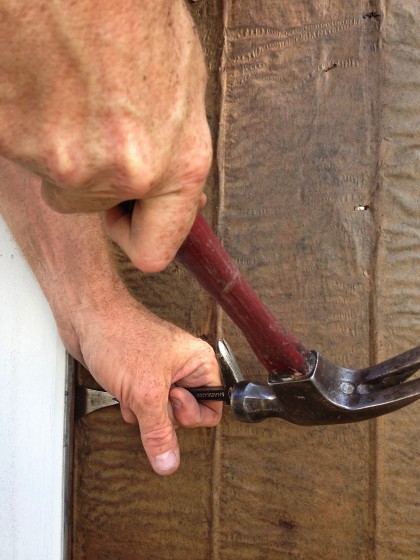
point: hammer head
(331, 394)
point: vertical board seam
(220, 156)
(373, 306)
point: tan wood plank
(300, 154)
(398, 277)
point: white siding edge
(32, 405)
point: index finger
(191, 413)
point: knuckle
(158, 437)
(196, 164)
(134, 161)
(133, 170)
(65, 165)
(129, 163)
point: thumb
(158, 435)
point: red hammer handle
(203, 255)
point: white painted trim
(32, 387)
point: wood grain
(313, 193)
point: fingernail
(176, 403)
(165, 461)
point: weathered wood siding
(315, 192)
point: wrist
(88, 295)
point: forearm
(105, 101)
(69, 254)
(130, 352)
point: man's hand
(143, 361)
(105, 101)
